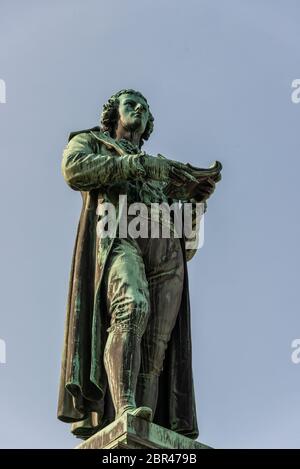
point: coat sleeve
(84, 170)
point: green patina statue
(127, 341)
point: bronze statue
(127, 336)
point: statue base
(130, 432)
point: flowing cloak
(84, 397)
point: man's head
(130, 109)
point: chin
(134, 125)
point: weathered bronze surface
(130, 432)
(127, 345)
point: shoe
(141, 412)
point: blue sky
(218, 79)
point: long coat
(94, 164)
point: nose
(138, 107)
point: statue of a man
(127, 335)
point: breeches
(143, 282)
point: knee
(132, 312)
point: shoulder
(83, 133)
(93, 137)
(90, 140)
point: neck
(132, 136)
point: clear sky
(218, 79)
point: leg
(128, 305)
(165, 273)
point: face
(133, 112)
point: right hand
(163, 169)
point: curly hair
(110, 115)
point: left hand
(204, 190)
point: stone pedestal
(130, 432)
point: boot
(122, 363)
(147, 390)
